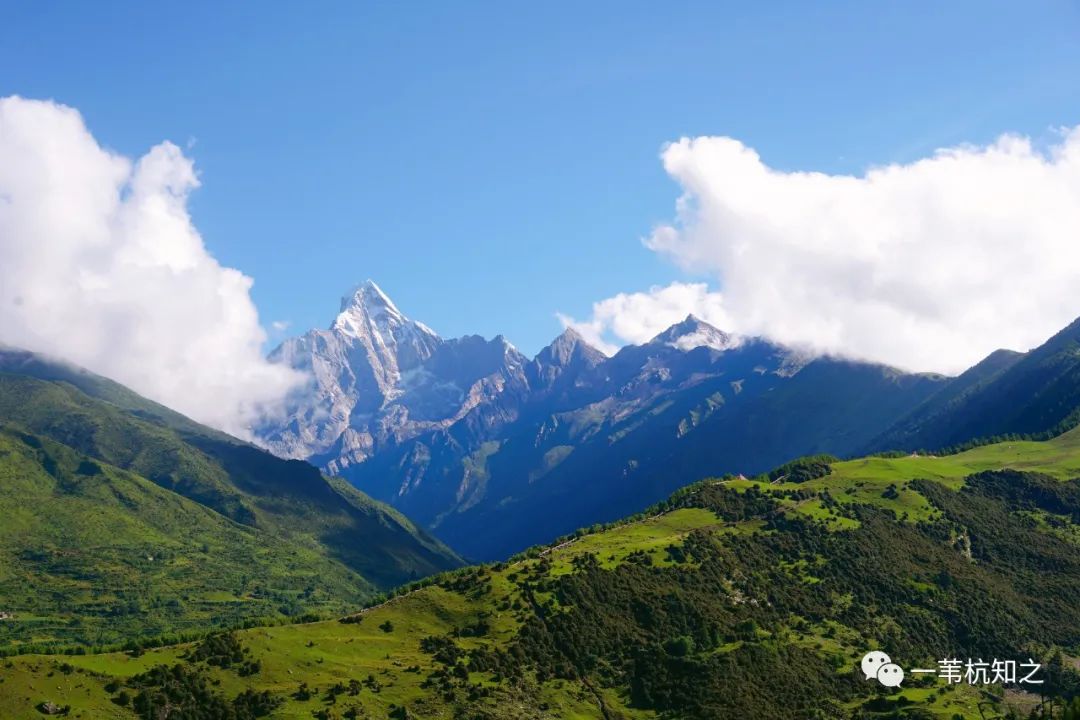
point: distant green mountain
(748, 599)
(123, 518)
(1035, 393)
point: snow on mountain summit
(368, 294)
(694, 332)
(368, 310)
(378, 377)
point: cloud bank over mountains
(929, 265)
(100, 264)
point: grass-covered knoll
(884, 481)
(123, 519)
(734, 599)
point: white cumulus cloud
(101, 265)
(928, 265)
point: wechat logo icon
(876, 664)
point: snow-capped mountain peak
(379, 377)
(369, 295)
(368, 312)
(694, 332)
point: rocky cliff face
(379, 378)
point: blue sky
(490, 164)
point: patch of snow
(704, 337)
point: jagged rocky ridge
(379, 378)
(494, 451)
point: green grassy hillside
(122, 519)
(737, 598)
(94, 555)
